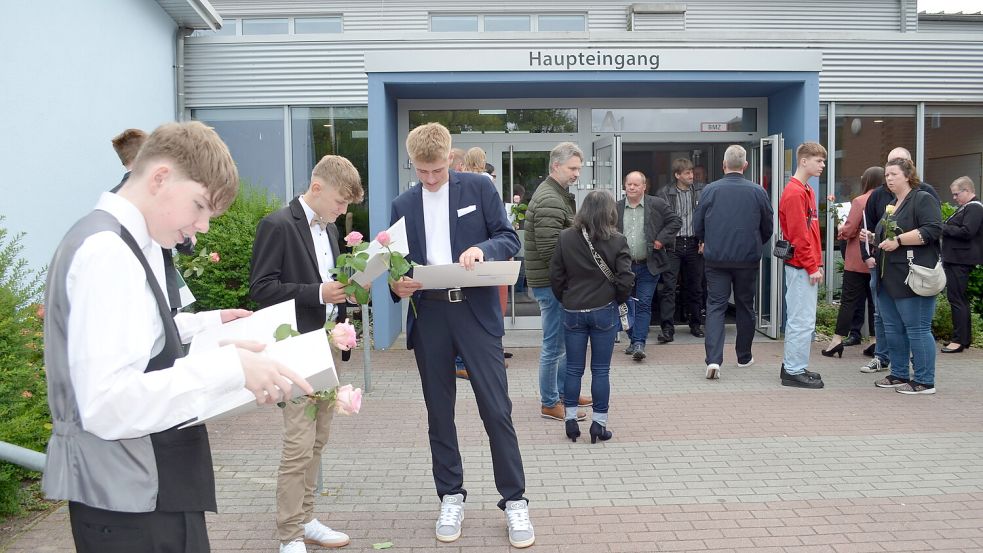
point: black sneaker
(639, 352)
(695, 330)
(801, 380)
(630, 349)
(891, 381)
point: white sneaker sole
(523, 544)
(748, 364)
(327, 545)
(868, 370)
(713, 372)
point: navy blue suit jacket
(486, 226)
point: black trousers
(685, 267)
(101, 531)
(956, 282)
(720, 282)
(442, 331)
(854, 295)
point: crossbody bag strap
(597, 257)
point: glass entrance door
(606, 163)
(768, 160)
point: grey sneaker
(639, 352)
(873, 366)
(520, 528)
(451, 517)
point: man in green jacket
(551, 210)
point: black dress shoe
(696, 331)
(801, 380)
(573, 429)
(837, 349)
(869, 350)
(953, 350)
(598, 432)
(851, 340)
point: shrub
(826, 314)
(225, 284)
(23, 390)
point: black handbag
(783, 250)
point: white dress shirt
(325, 257)
(114, 329)
(436, 221)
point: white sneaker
(713, 371)
(316, 533)
(296, 546)
(451, 516)
(520, 528)
(748, 364)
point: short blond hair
(474, 160)
(127, 144)
(197, 153)
(429, 143)
(337, 171)
(810, 149)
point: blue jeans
(800, 319)
(600, 325)
(908, 329)
(553, 354)
(880, 347)
(645, 283)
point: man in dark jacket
(684, 253)
(551, 210)
(650, 226)
(733, 221)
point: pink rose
(343, 336)
(831, 197)
(214, 257)
(383, 239)
(353, 239)
(348, 400)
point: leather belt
(452, 295)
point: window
(865, 134)
(953, 147)
(228, 29)
(317, 25)
(495, 23)
(255, 139)
(492, 23)
(454, 23)
(479, 121)
(265, 26)
(549, 23)
(654, 120)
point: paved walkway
(739, 464)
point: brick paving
(736, 465)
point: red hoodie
(798, 217)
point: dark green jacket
(551, 210)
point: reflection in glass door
(607, 168)
(521, 174)
(769, 159)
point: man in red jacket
(798, 216)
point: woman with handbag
(591, 276)
(907, 249)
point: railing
(27, 458)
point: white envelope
(258, 327)
(488, 273)
(465, 210)
(376, 264)
(308, 355)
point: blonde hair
(337, 171)
(810, 149)
(127, 144)
(429, 143)
(474, 160)
(198, 154)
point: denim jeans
(553, 354)
(880, 347)
(645, 283)
(800, 319)
(908, 333)
(600, 325)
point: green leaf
(359, 264)
(362, 296)
(383, 545)
(283, 332)
(311, 410)
(343, 278)
(187, 272)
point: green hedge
(225, 284)
(23, 390)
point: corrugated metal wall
(870, 65)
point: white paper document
(842, 211)
(258, 327)
(376, 264)
(488, 273)
(308, 355)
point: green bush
(826, 314)
(23, 390)
(225, 284)
(942, 323)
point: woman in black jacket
(962, 250)
(590, 303)
(912, 223)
